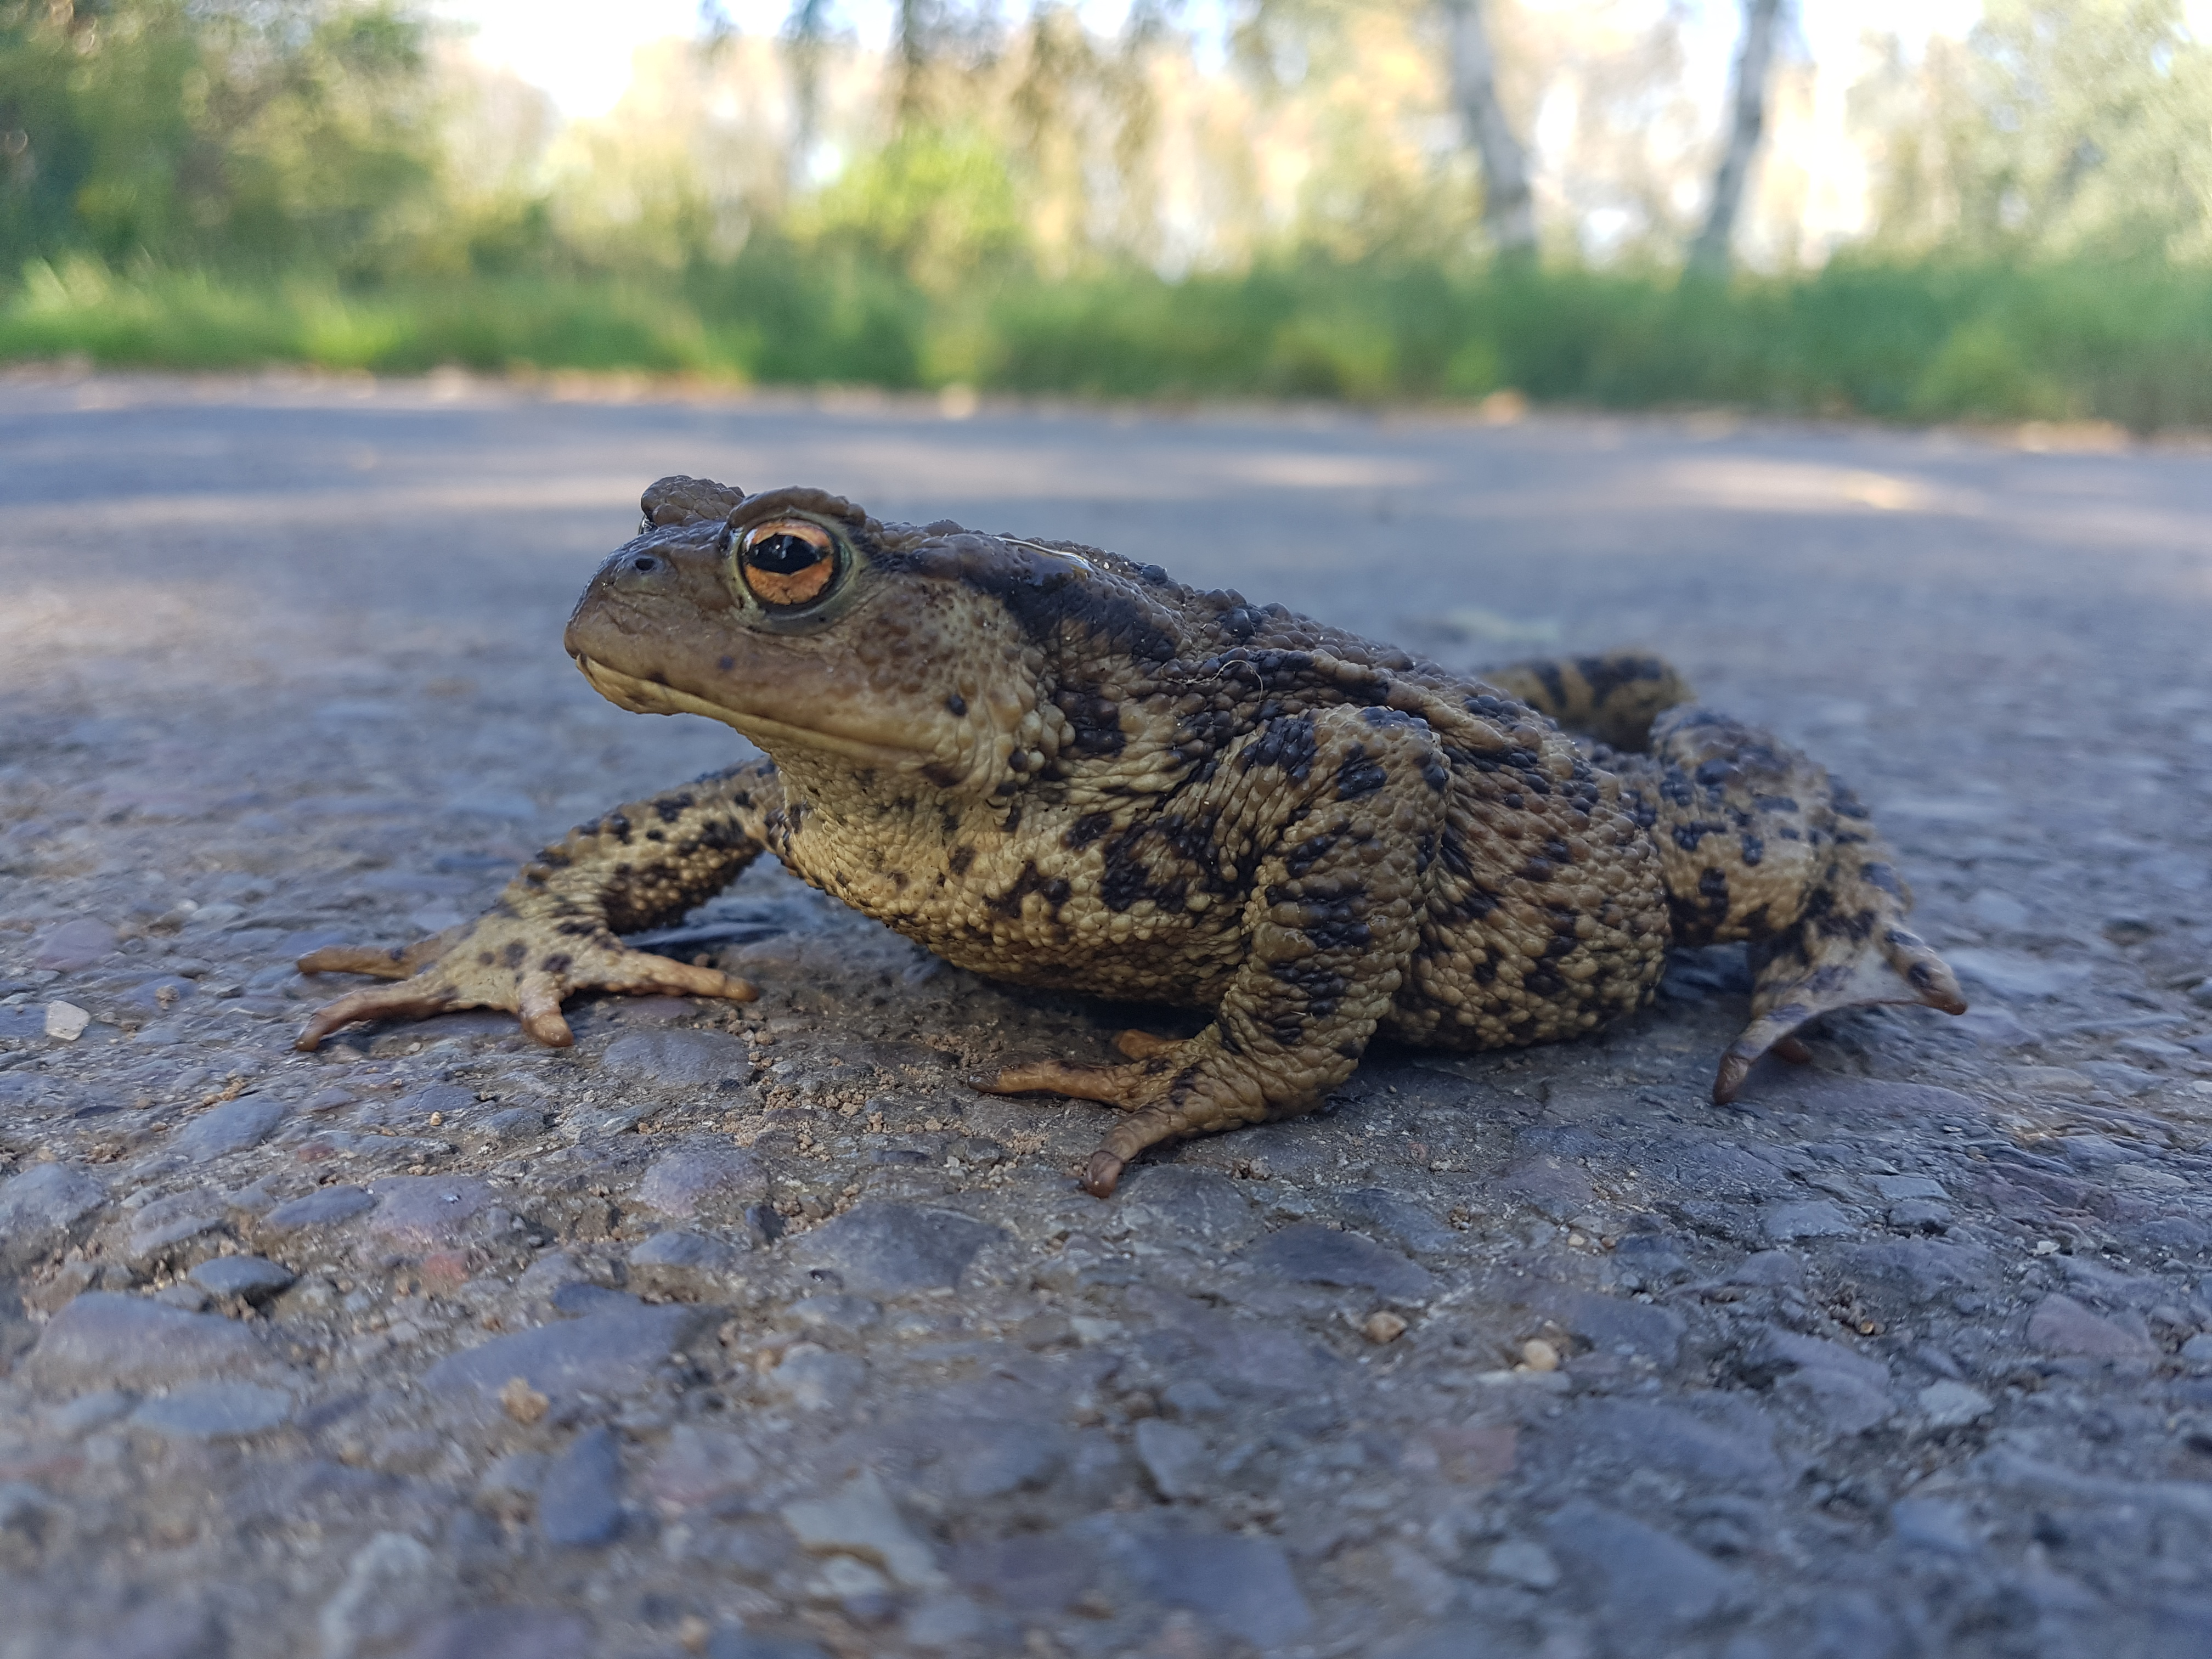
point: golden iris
(787, 562)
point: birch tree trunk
(805, 40)
(1711, 252)
(1508, 212)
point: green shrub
(2131, 345)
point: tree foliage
(267, 133)
(2059, 128)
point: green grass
(2130, 344)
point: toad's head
(930, 653)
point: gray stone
(1322, 1256)
(1856, 1101)
(2198, 1351)
(48, 1196)
(1033, 1574)
(679, 1059)
(1816, 1218)
(1175, 1457)
(214, 1411)
(1192, 1396)
(1839, 1402)
(699, 1467)
(1642, 1580)
(1919, 1215)
(232, 1126)
(92, 1411)
(748, 1644)
(1615, 1324)
(1409, 1225)
(164, 1629)
(706, 1177)
(413, 1108)
(2061, 1325)
(992, 1457)
(1164, 1199)
(2119, 1077)
(880, 1248)
(1642, 1434)
(426, 1211)
(26, 1512)
(171, 1220)
(860, 1520)
(103, 1339)
(1720, 1169)
(611, 1353)
(39, 1206)
(1920, 1270)
(580, 1297)
(248, 1277)
(1549, 1187)
(1932, 1524)
(323, 1207)
(2016, 978)
(511, 1123)
(1241, 1585)
(74, 944)
(514, 1474)
(1852, 1625)
(817, 1380)
(682, 1264)
(1773, 1351)
(504, 1633)
(1773, 1269)
(837, 1313)
(943, 1621)
(1895, 1188)
(579, 1499)
(1524, 1561)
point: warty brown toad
(1060, 767)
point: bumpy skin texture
(1059, 768)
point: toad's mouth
(645, 696)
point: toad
(1061, 767)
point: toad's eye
(787, 562)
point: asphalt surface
(755, 1332)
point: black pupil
(784, 554)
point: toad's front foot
(502, 961)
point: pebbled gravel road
(753, 1333)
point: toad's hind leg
(1757, 842)
(1329, 819)
(1614, 698)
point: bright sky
(578, 50)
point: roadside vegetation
(192, 186)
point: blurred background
(1919, 209)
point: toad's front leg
(1335, 817)
(553, 932)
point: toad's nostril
(645, 561)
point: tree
(1712, 252)
(1508, 208)
(2060, 128)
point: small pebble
(1387, 1327)
(66, 1020)
(1538, 1355)
(522, 1402)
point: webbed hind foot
(1829, 960)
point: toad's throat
(645, 696)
